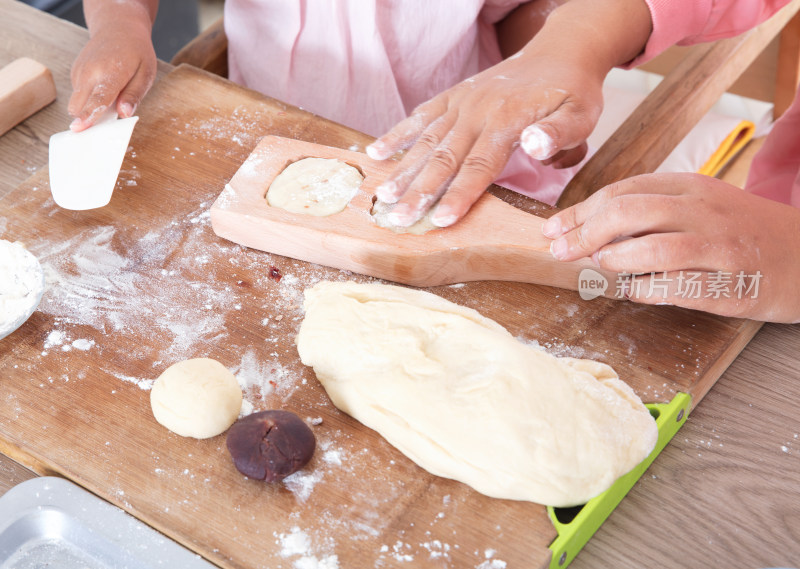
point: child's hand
(724, 250)
(547, 98)
(116, 66)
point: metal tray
(51, 522)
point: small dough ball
(315, 186)
(270, 445)
(196, 398)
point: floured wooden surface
(144, 282)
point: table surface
(726, 490)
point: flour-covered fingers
(99, 86)
(479, 168)
(77, 102)
(397, 183)
(405, 133)
(564, 128)
(100, 98)
(438, 168)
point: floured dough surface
(197, 398)
(460, 396)
(380, 215)
(315, 186)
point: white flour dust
(304, 554)
(148, 299)
(59, 339)
(89, 283)
(143, 384)
(21, 285)
(302, 483)
(257, 377)
(244, 126)
(333, 461)
(333, 457)
(262, 378)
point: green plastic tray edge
(572, 536)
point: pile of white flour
(21, 285)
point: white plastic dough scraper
(84, 166)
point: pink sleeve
(775, 171)
(687, 22)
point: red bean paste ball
(270, 445)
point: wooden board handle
(26, 86)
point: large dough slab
(464, 399)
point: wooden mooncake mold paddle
(494, 241)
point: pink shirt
(363, 63)
(368, 64)
(775, 170)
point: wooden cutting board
(145, 282)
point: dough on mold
(464, 399)
(197, 398)
(380, 214)
(315, 186)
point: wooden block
(26, 86)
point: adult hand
(691, 241)
(463, 137)
(117, 66)
(547, 98)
